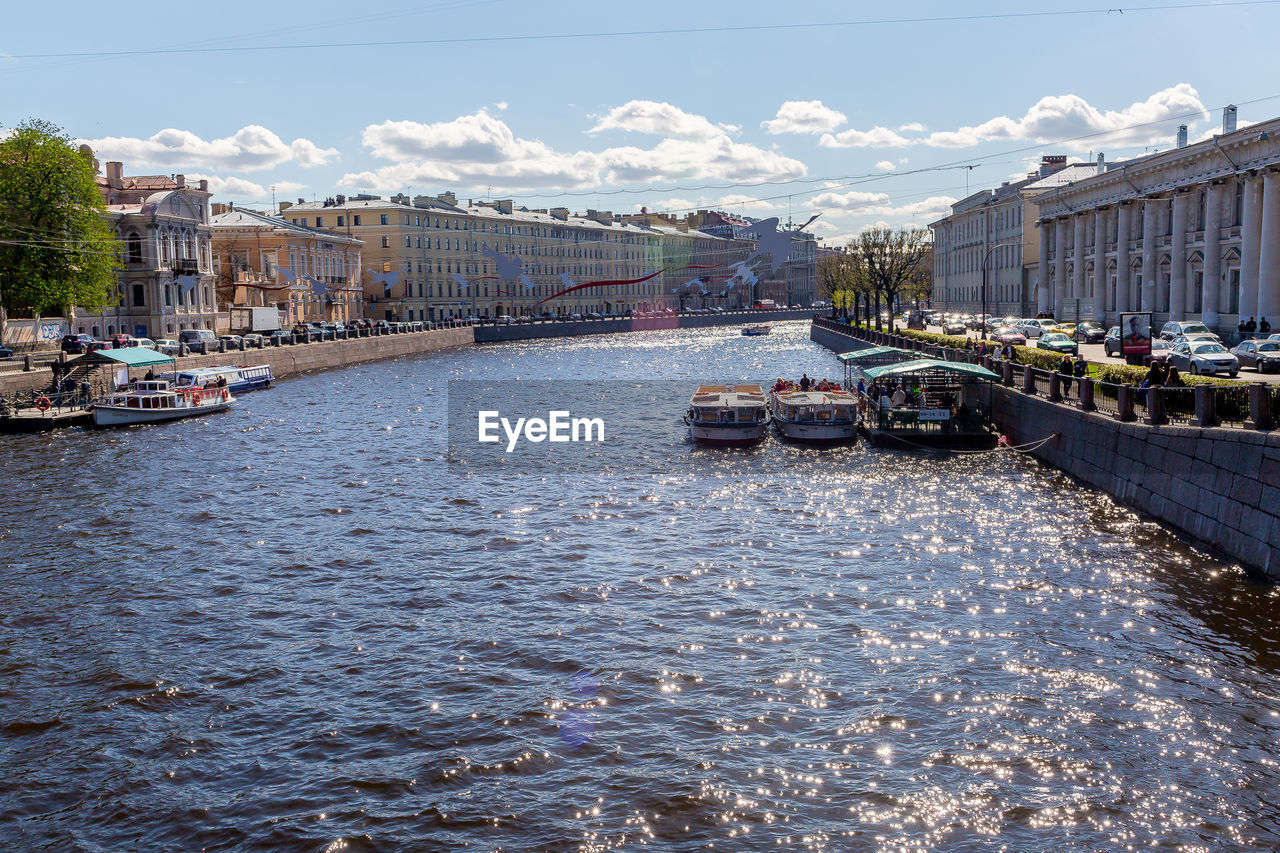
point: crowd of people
(805, 384)
(1250, 329)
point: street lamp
(983, 316)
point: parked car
(145, 343)
(120, 340)
(280, 334)
(1034, 327)
(1057, 342)
(167, 346)
(1111, 343)
(232, 341)
(6, 353)
(195, 337)
(1192, 338)
(1068, 329)
(1263, 356)
(76, 343)
(1160, 349)
(1174, 328)
(1090, 332)
(1009, 335)
(94, 346)
(253, 339)
(953, 327)
(1197, 357)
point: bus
(765, 305)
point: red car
(120, 340)
(1009, 335)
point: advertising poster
(1135, 334)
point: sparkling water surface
(295, 626)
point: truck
(247, 319)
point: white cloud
(732, 203)
(911, 127)
(660, 119)
(235, 188)
(249, 149)
(886, 166)
(854, 200)
(804, 117)
(876, 137)
(501, 105)
(480, 150)
(861, 203)
(1060, 118)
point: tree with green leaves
(842, 280)
(57, 247)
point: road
(1095, 354)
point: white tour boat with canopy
(728, 414)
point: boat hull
(825, 432)
(728, 434)
(110, 416)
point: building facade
(262, 260)
(1192, 233)
(165, 279)
(987, 232)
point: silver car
(1208, 357)
(1263, 356)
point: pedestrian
(899, 397)
(1242, 328)
(982, 351)
(1080, 369)
(1264, 328)
(804, 382)
(1065, 372)
(1155, 374)
(1010, 354)
(1250, 327)
(1173, 379)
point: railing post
(26, 363)
(1055, 387)
(204, 347)
(1086, 394)
(986, 362)
(1124, 403)
(1028, 379)
(1259, 407)
(1155, 406)
(1206, 410)
(1006, 374)
(222, 346)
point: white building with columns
(1192, 233)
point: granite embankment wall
(291, 360)
(564, 329)
(1218, 487)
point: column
(1178, 257)
(1077, 272)
(1212, 254)
(1269, 256)
(1100, 266)
(1044, 298)
(1150, 213)
(1059, 266)
(1124, 214)
(1250, 246)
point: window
(135, 248)
(139, 296)
(319, 222)
(355, 220)
(341, 222)
(384, 219)
(407, 242)
(386, 242)
(304, 222)
(168, 295)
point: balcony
(185, 266)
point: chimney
(504, 205)
(1102, 163)
(1051, 163)
(448, 198)
(180, 180)
(115, 174)
(1229, 118)
(204, 185)
(1182, 136)
(218, 208)
(285, 205)
(561, 213)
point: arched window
(135, 247)
(139, 296)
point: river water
(297, 626)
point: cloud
(660, 119)
(876, 137)
(1060, 118)
(480, 150)
(804, 117)
(855, 200)
(249, 149)
(886, 166)
(231, 186)
(501, 105)
(879, 204)
(732, 203)
(911, 127)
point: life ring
(43, 404)
(195, 398)
(225, 394)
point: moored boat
(154, 401)
(240, 378)
(829, 415)
(728, 414)
(759, 329)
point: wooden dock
(33, 420)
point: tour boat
(814, 415)
(240, 378)
(153, 401)
(759, 329)
(728, 414)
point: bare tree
(892, 261)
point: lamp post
(983, 316)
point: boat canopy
(874, 352)
(128, 356)
(924, 365)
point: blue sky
(771, 110)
